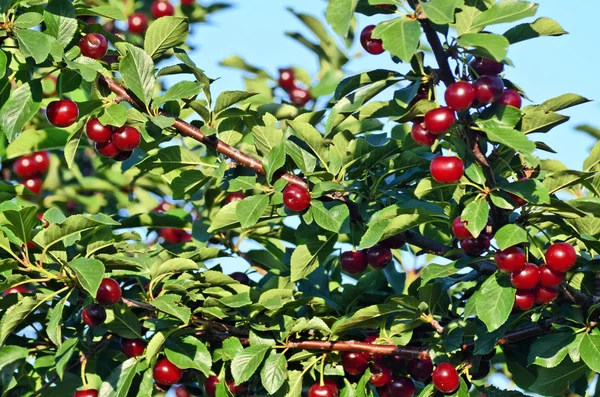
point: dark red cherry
(482, 371)
(107, 149)
(41, 160)
(93, 315)
(371, 45)
(109, 292)
(518, 201)
(33, 184)
(524, 299)
(447, 169)
(236, 196)
(172, 235)
(420, 368)
(19, 289)
(476, 246)
(439, 120)
(240, 277)
(526, 278)
(511, 259)
(401, 386)
(354, 262)
(123, 155)
(296, 198)
(354, 363)
(380, 375)
(460, 96)
(138, 23)
(126, 138)
(445, 378)
(93, 45)
(188, 3)
(484, 66)
(561, 257)
(210, 385)
(299, 96)
(488, 89)
(181, 391)
(133, 347)
(62, 113)
(328, 389)
(98, 132)
(549, 277)
(287, 79)
(86, 393)
(24, 167)
(545, 294)
(162, 8)
(510, 97)
(166, 373)
(421, 135)
(379, 256)
(459, 229)
(237, 390)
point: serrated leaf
(121, 321)
(137, 70)
(189, 352)
(90, 273)
(72, 145)
(495, 301)
(433, 271)
(168, 303)
(174, 265)
(165, 33)
(551, 380)
(440, 11)
(110, 12)
(11, 354)
(334, 217)
(339, 14)
(307, 257)
(54, 327)
(245, 364)
(512, 138)
(361, 316)
(488, 45)
(72, 226)
(540, 27)
(250, 209)
(476, 215)
(274, 373)
(114, 115)
(230, 98)
(313, 138)
(505, 11)
(589, 349)
(60, 21)
(14, 315)
(34, 44)
(22, 222)
(510, 235)
(400, 36)
(562, 102)
(274, 160)
(28, 20)
(549, 350)
(120, 379)
(23, 103)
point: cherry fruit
(545, 294)
(62, 113)
(24, 167)
(524, 299)
(420, 368)
(459, 229)
(41, 160)
(181, 391)
(526, 278)
(210, 385)
(560, 257)
(86, 393)
(33, 184)
(460, 96)
(237, 390)
(296, 198)
(380, 375)
(126, 138)
(482, 371)
(354, 262)
(550, 278)
(123, 155)
(401, 386)
(138, 23)
(107, 149)
(93, 45)
(476, 246)
(166, 373)
(98, 132)
(109, 292)
(511, 259)
(240, 277)
(371, 45)
(133, 347)
(510, 97)
(445, 378)
(421, 135)
(485, 66)
(354, 363)
(488, 89)
(439, 120)
(300, 96)
(287, 79)
(379, 256)
(236, 196)
(19, 289)
(446, 169)
(162, 8)
(93, 315)
(173, 235)
(328, 389)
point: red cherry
(181, 391)
(162, 8)
(236, 196)
(400, 386)
(41, 160)
(93, 315)
(460, 96)
(19, 289)
(354, 363)
(545, 294)
(123, 155)
(237, 390)
(299, 96)
(173, 235)
(511, 259)
(24, 167)
(459, 229)
(379, 256)
(240, 277)
(420, 368)
(422, 93)
(126, 138)
(354, 262)
(133, 347)
(484, 66)
(560, 257)
(371, 45)
(287, 79)
(166, 373)
(107, 149)
(518, 201)
(98, 132)
(439, 120)
(445, 378)
(476, 246)
(33, 184)
(62, 113)
(296, 197)
(488, 89)
(210, 385)
(138, 23)
(549, 277)
(446, 169)
(329, 389)
(395, 242)
(109, 292)
(510, 97)
(421, 135)
(86, 393)
(93, 45)
(162, 207)
(526, 278)
(380, 375)
(524, 299)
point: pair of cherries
(472, 246)
(30, 168)
(108, 294)
(287, 80)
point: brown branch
(352, 346)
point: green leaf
(63, 355)
(274, 160)
(59, 17)
(440, 12)
(510, 235)
(590, 351)
(307, 257)
(54, 327)
(549, 350)
(303, 159)
(505, 11)
(361, 316)
(174, 265)
(122, 321)
(230, 98)
(28, 20)
(15, 314)
(34, 44)
(90, 273)
(538, 120)
(22, 222)
(495, 301)
(120, 379)
(294, 383)
(168, 303)
(72, 145)
(540, 27)
(552, 380)
(562, 102)
(250, 209)
(334, 217)
(488, 45)
(110, 12)
(339, 15)
(231, 347)
(88, 68)
(433, 271)
(313, 138)
(274, 373)
(180, 90)
(512, 138)
(171, 158)
(114, 115)
(400, 36)
(492, 391)
(137, 70)
(11, 354)
(476, 215)
(268, 136)
(23, 103)
(189, 352)
(531, 190)
(247, 362)
(165, 33)
(72, 226)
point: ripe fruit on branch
(476, 246)
(380, 375)
(526, 278)
(93, 45)
(86, 393)
(511, 259)
(41, 161)
(485, 66)
(210, 385)
(459, 229)
(126, 138)
(166, 373)
(162, 8)
(560, 257)
(300, 96)
(237, 390)
(354, 262)
(19, 289)
(174, 236)
(133, 347)
(421, 135)
(379, 256)
(98, 132)
(445, 378)
(524, 299)
(296, 198)
(287, 79)
(549, 277)
(354, 363)
(93, 315)
(545, 294)
(482, 371)
(240, 277)
(138, 23)
(439, 120)
(371, 45)
(107, 149)
(488, 89)
(62, 113)
(109, 292)
(328, 389)
(123, 155)
(33, 184)
(401, 386)
(24, 167)
(236, 196)
(460, 96)
(510, 97)
(446, 169)
(420, 368)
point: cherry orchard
(409, 263)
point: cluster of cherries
(378, 256)
(536, 284)
(30, 168)
(473, 246)
(138, 22)
(113, 143)
(287, 80)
